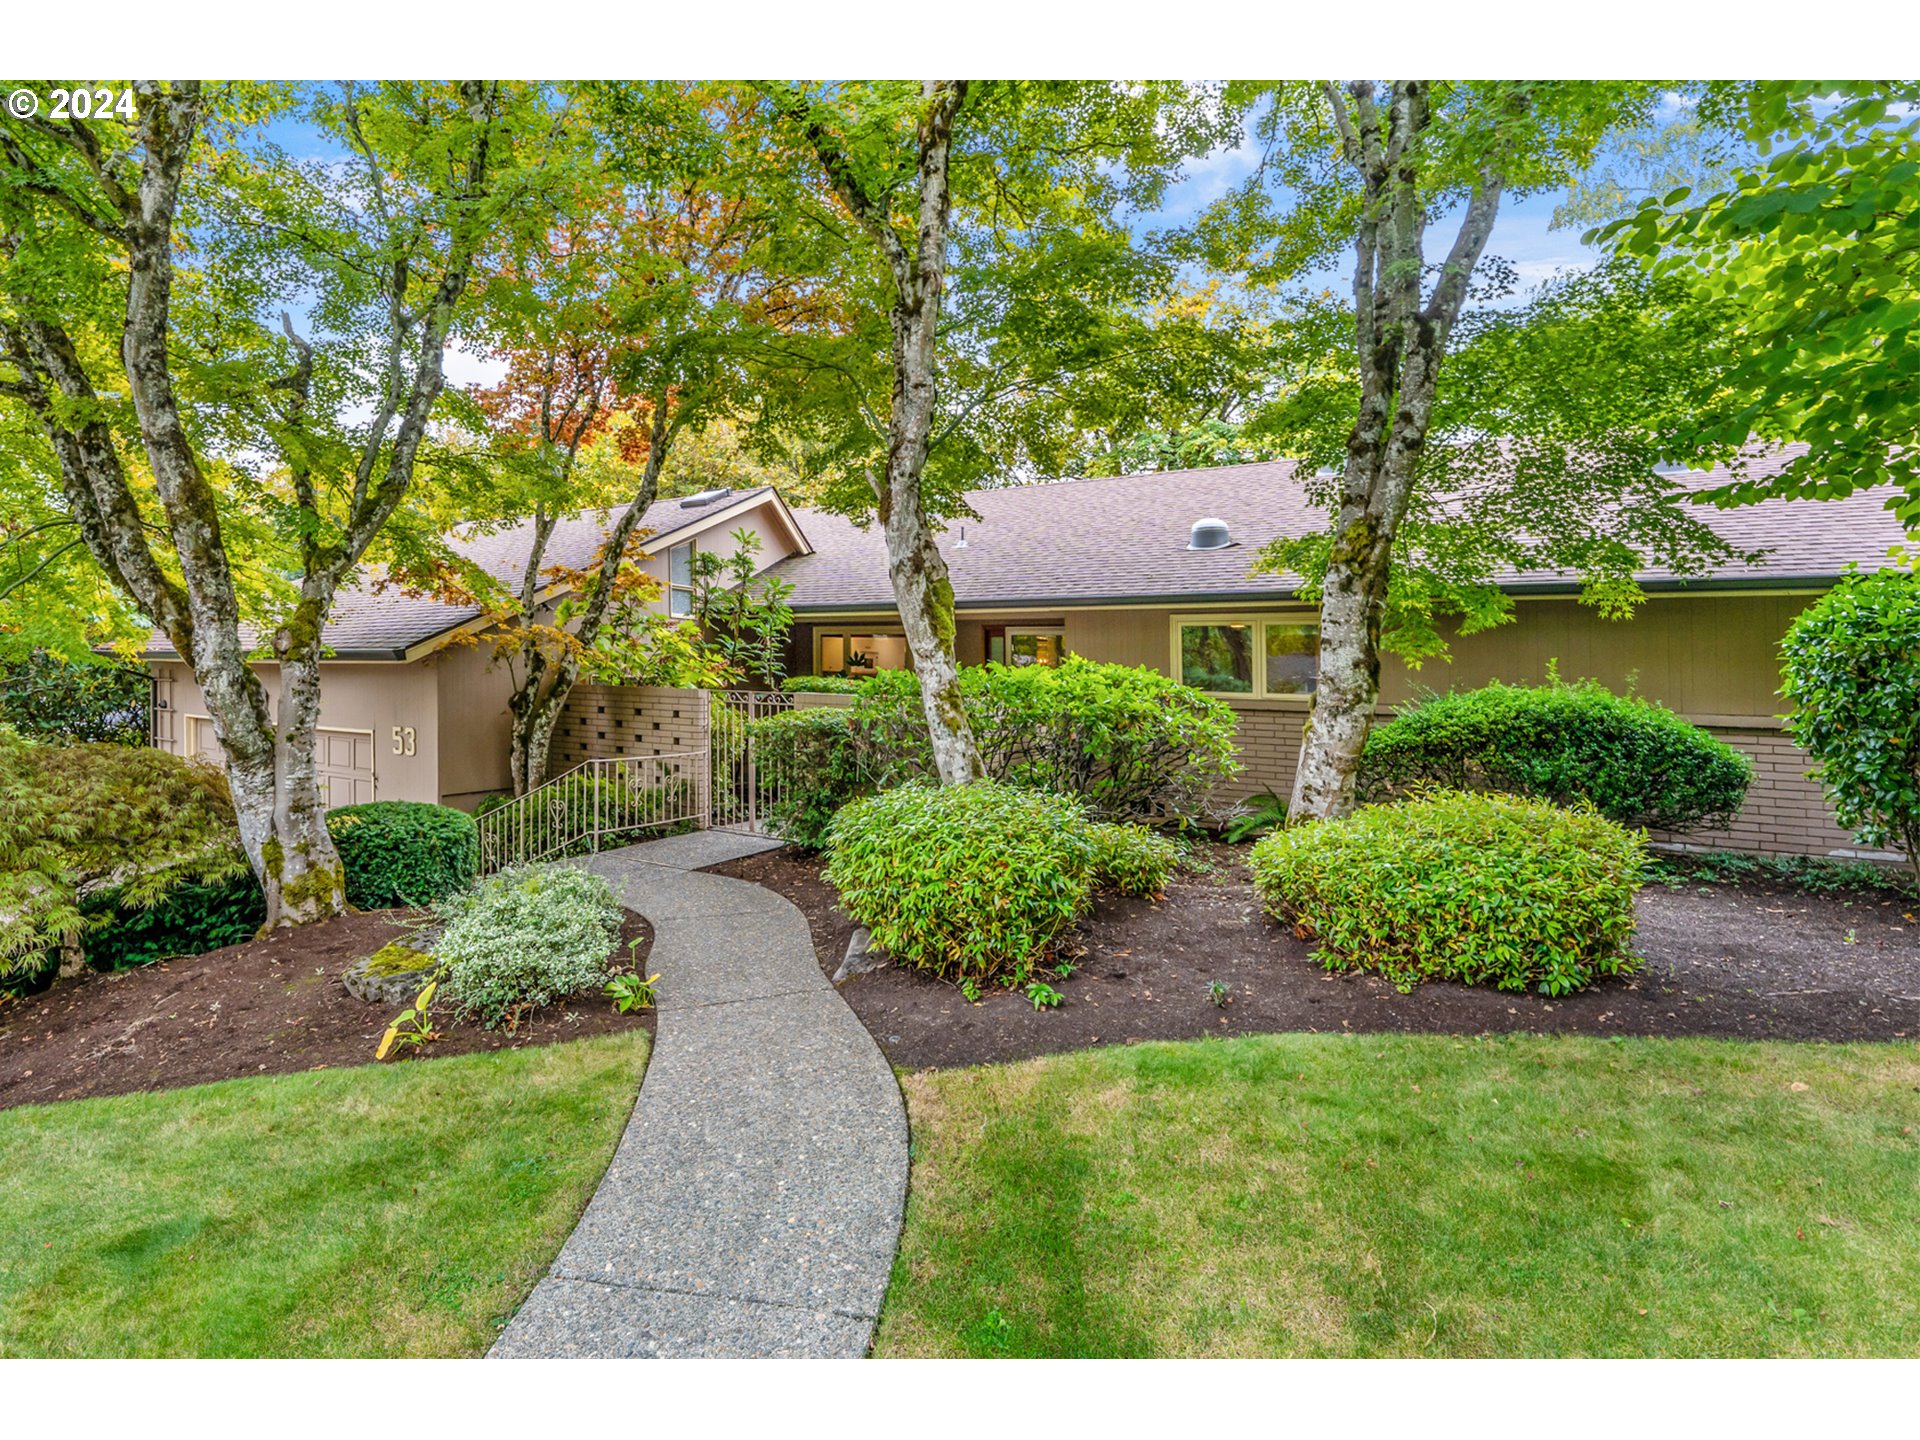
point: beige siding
(1712, 658)
(375, 699)
(473, 685)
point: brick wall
(603, 721)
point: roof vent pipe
(705, 497)
(1209, 534)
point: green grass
(403, 1209)
(1416, 1195)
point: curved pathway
(755, 1201)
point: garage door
(343, 761)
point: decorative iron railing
(596, 805)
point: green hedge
(1124, 740)
(812, 765)
(1481, 888)
(1852, 673)
(1634, 761)
(404, 852)
(191, 920)
(820, 685)
(974, 883)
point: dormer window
(680, 580)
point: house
(413, 701)
(1141, 570)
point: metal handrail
(593, 802)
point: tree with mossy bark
(226, 471)
(621, 323)
(975, 234)
(1537, 448)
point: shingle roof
(1079, 542)
(369, 623)
(1125, 538)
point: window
(858, 656)
(1255, 658)
(680, 580)
(1028, 645)
(1293, 658)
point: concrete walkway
(755, 1201)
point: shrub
(1480, 888)
(96, 820)
(403, 852)
(1851, 668)
(1126, 741)
(525, 938)
(813, 767)
(1634, 761)
(972, 882)
(1131, 858)
(820, 685)
(190, 919)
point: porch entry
(606, 801)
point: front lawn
(1415, 1195)
(403, 1209)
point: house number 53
(403, 739)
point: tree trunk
(914, 563)
(1399, 345)
(925, 597)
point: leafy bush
(1480, 888)
(820, 685)
(1851, 668)
(88, 700)
(1131, 858)
(1128, 742)
(403, 852)
(972, 882)
(97, 820)
(524, 938)
(813, 766)
(1815, 874)
(190, 919)
(1634, 761)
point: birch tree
(1006, 275)
(212, 451)
(1429, 495)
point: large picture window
(1255, 658)
(858, 656)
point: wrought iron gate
(744, 788)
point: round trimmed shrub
(1487, 889)
(974, 883)
(404, 852)
(526, 937)
(1131, 858)
(1635, 762)
(812, 763)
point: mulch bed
(1750, 961)
(269, 1007)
